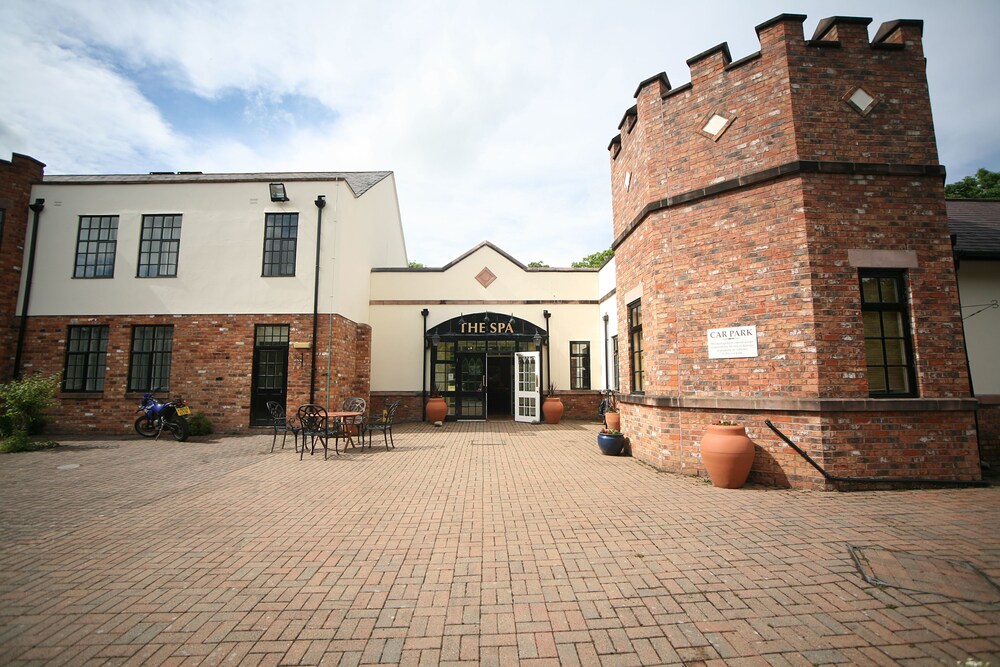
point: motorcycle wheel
(146, 427)
(178, 427)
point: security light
(278, 192)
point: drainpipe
(320, 203)
(607, 380)
(423, 376)
(36, 208)
(548, 349)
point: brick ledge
(805, 404)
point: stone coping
(804, 404)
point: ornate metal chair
(355, 426)
(283, 425)
(383, 423)
(315, 424)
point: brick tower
(16, 178)
(795, 196)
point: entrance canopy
(487, 326)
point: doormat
(924, 574)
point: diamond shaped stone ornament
(486, 277)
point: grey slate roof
(976, 222)
(359, 181)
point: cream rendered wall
(609, 307)
(358, 234)
(221, 249)
(398, 298)
(979, 282)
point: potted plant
(611, 442)
(437, 408)
(727, 453)
(609, 410)
(552, 406)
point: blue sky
(495, 117)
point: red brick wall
(988, 418)
(16, 178)
(212, 366)
(754, 228)
(845, 444)
(577, 404)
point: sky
(494, 116)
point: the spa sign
(484, 328)
(732, 342)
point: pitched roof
(359, 181)
(976, 224)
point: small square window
(861, 101)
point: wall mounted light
(435, 340)
(278, 192)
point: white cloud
(494, 116)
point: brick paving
(490, 543)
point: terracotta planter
(552, 410)
(728, 454)
(613, 420)
(437, 409)
(611, 444)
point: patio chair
(316, 425)
(354, 404)
(282, 424)
(384, 424)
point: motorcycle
(158, 416)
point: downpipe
(37, 209)
(873, 480)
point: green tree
(595, 261)
(984, 185)
(415, 265)
(537, 265)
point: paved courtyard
(488, 543)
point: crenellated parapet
(837, 97)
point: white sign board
(732, 343)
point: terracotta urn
(728, 454)
(552, 409)
(437, 409)
(613, 420)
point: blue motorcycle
(158, 416)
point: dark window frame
(149, 367)
(158, 262)
(636, 362)
(581, 359)
(91, 358)
(89, 249)
(901, 308)
(281, 231)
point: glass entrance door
(527, 394)
(470, 398)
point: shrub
(22, 443)
(199, 424)
(23, 402)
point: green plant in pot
(609, 411)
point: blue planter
(611, 444)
